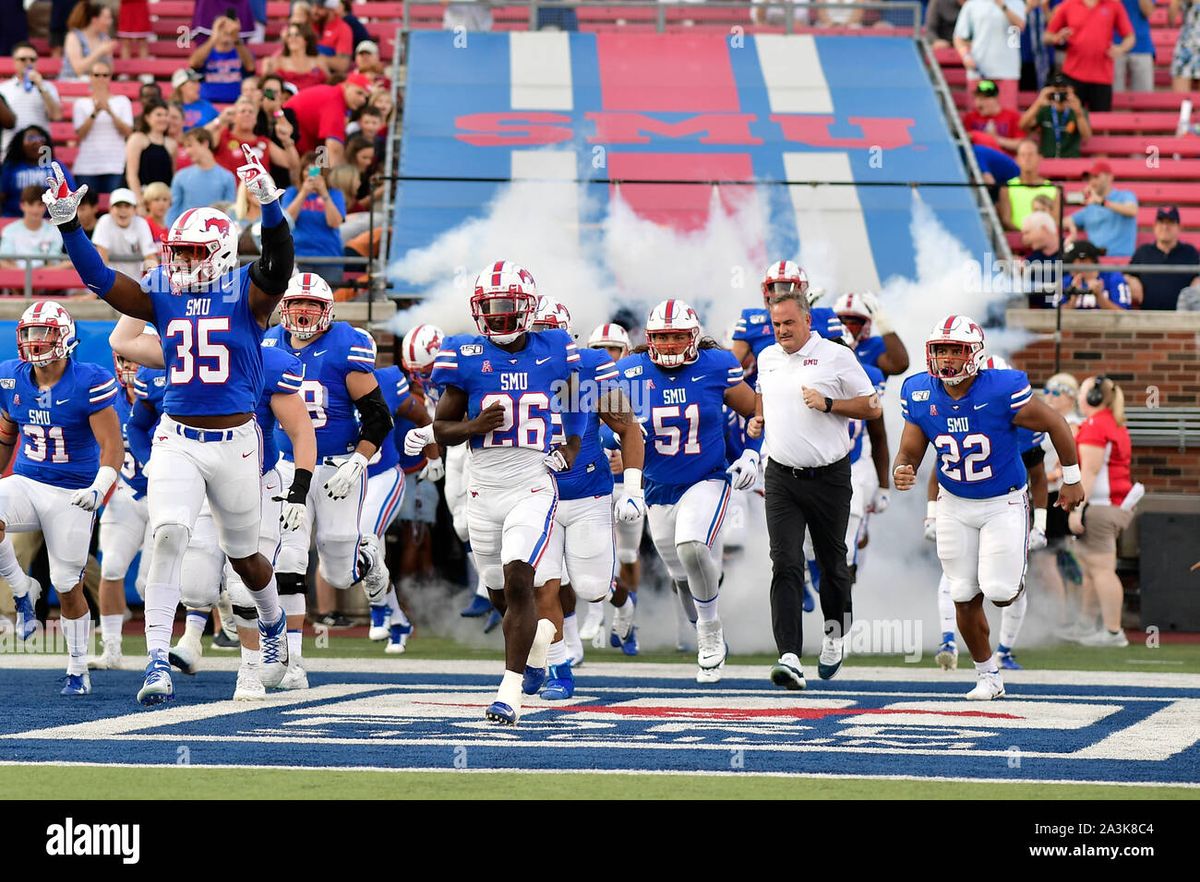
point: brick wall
(1154, 356)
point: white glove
(1037, 539)
(878, 318)
(346, 477)
(61, 202)
(257, 179)
(556, 460)
(631, 504)
(417, 440)
(744, 471)
(931, 529)
(434, 470)
(292, 516)
(879, 502)
(90, 498)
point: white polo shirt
(796, 435)
(28, 105)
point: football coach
(809, 388)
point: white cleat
(110, 659)
(711, 652)
(1105, 638)
(376, 582)
(249, 686)
(295, 678)
(593, 625)
(990, 686)
(947, 656)
(187, 654)
(272, 640)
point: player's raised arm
(1040, 417)
(269, 275)
(130, 340)
(119, 290)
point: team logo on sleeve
(921, 395)
(933, 410)
(471, 349)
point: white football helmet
(419, 348)
(783, 277)
(855, 314)
(126, 370)
(610, 337)
(306, 309)
(959, 341)
(45, 334)
(671, 317)
(551, 314)
(993, 362)
(504, 302)
(201, 246)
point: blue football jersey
(57, 444)
(858, 428)
(328, 360)
(978, 446)
(525, 383)
(590, 474)
(869, 350)
(394, 387)
(283, 374)
(754, 326)
(681, 410)
(210, 345)
(131, 469)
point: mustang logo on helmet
(217, 223)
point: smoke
(627, 261)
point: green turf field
(81, 782)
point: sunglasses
(26, 59)
(1059, 390)
(102, 76)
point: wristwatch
(828, 404)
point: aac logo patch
(470, 349)
(921, 395)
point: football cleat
(273, 642)
(560, 684)
(398, 639)
(501, 713)
(375, 580)
(186, 655)
(712, 649)
(533, 680)
(493, 621)
(26, 617)
(988, 687)
(109, 660)
(77, 684)
(157, 687)
(947, 656)
(249, 687)
(592, 627)
(787, 672)
(1105, 638)
(1007, 661)
(830, 660)
(223, 640)
(629, 645)
(380, 621)
(624, 632)
(479, 606)
(295, 678)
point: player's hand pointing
(904, 477)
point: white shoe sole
(988, 694)
(249, 695)
(947, 661)
(710, 675)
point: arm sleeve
(854, 380)
(905, 392)
(142, 420)
(1056, 20)
(742, 328)
(360, 356)
(1091, 433)
(86, 260)
(962, 28)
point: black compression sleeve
(376, 418)
(298, 492)
(272, 271)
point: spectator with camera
(1093, 289)
(1162, 290)
(1059, 119)
(317, 212)
(223, 60)
(1109, 216)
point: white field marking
(1159, 736)
(408, 770)
(636, 671)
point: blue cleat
(561, 683)
(629, 645)
(479, 606)
(501, 713)
(398, 640)
(77, 684)
(380, 619)
(158, 687)
(533, 680)
(1006, 660)
(27, 621)
(493, 620)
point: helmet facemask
(951, 361)
(673, 347)
(126, 370)
(41, 344)
(305, 317)
(775, 287)
(190, 266)
(503, 317)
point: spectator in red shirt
(1086, 28)
(238, 128)
(1105, 451)
(321, 116)
(335, 40)
(1002, 123)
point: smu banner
(858, 112)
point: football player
(210, 314)
(506, 383)
(339, 382)
(680, 382)
(972, 417)
(69, 457)
(862, 314)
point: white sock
(706, 610)
(11, 570)
(110, 628)
(557, 654)
(398, 616)
(541, 644)
(161, 600)
(266, 600)
(987, 667)
(225, 608)
(946, 612)
(194, 626)
(252, 657)
(1011, 618)
(510, 690)
(295, 641)
(571, 633)
(77, 632)
(293, 604)
(595, 611)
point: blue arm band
(88, 262)
(272, 214)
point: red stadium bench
(43, 279)
(1163, 193)
(1124, 169)
(1135, 145)
(1134, 122)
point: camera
(1058, 97)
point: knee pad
(167, 547)
(591, 589)
(999, 594)
(245, 616)
(493, 577)
(290, 583)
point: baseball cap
(1083, 251)
(987, 88)
(1058, 80)
(1100, 167)
(122, 194)
(1167, 213)
(182, 75)
(367, 46)
(361, 80)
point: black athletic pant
(819, 500)
(1096, 97)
